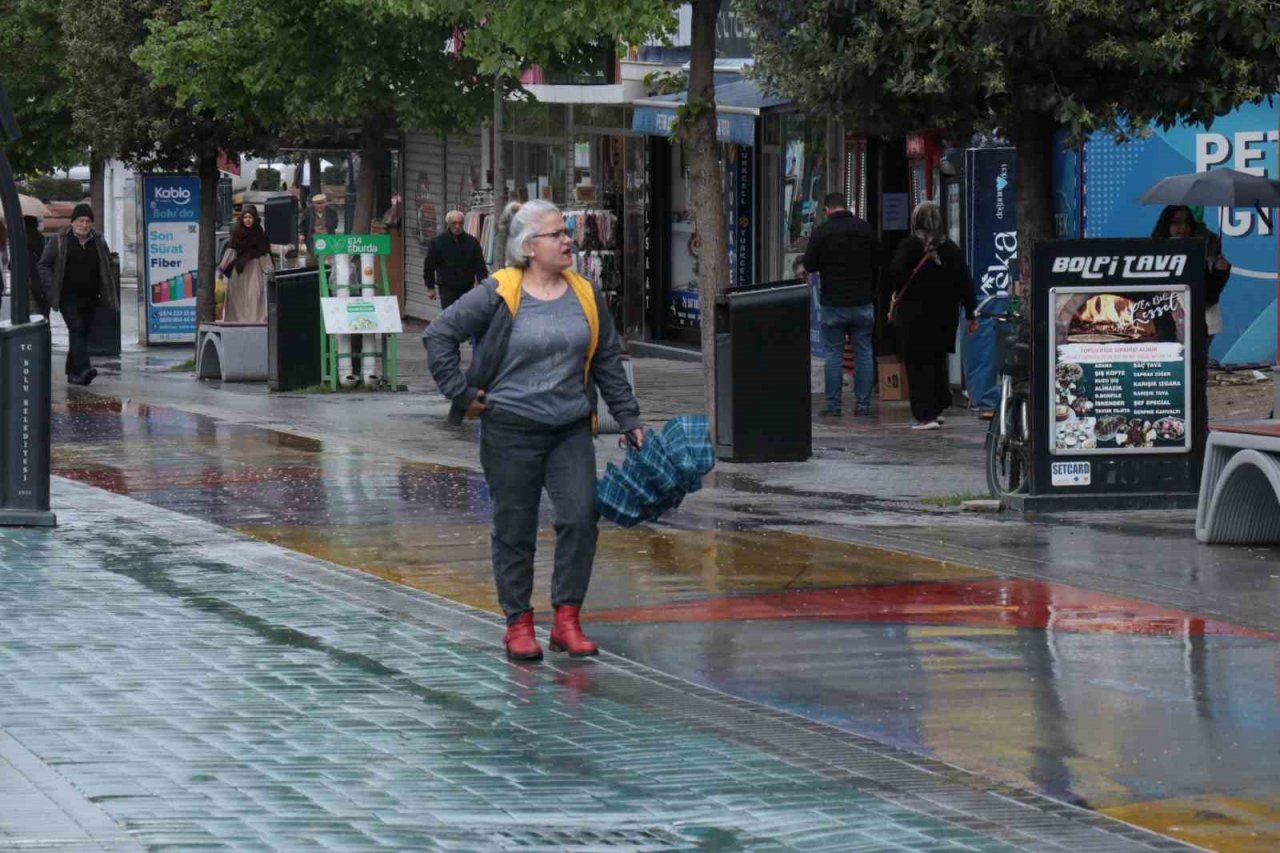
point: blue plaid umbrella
(655, 479)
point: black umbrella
(1218, 188)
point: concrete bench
(232, 352)
(1240, 486)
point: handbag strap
(900, 292)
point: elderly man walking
(455, 262)
(77, 275)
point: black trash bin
(104, 331)
(293, 329)
(762, 374)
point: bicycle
(1008, 442)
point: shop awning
(737, 106)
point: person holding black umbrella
(1178, 222)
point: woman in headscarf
(930, 284)
(246, 262)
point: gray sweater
(481, 313)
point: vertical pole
(25, 354)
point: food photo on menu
(1120, 369)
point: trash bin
(293, 329)
(763, 411)
(104, 332)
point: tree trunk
(1033, 138)
(98, 189)
(698, 133)
(207, 259)
(372, 158)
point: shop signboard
(1116, 389)
(992, 252)
(170, 246)
(353, 244)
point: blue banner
(739, 214)
(992, 250)
(1116, 174)
(737, 128)
(170, 256)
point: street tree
(33, 68)
(1022, 68)
(320, 66)
(124, 112)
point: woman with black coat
(930, 285)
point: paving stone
(209, 698)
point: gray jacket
(481, 313)
(53, 268)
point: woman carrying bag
(545, 341)
(930, 285)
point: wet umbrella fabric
(32, 206)
(1216, 188)
(655, 479)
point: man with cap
(455, 262)
(78, 276)
(319, 218)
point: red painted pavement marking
(996, 603)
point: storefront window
(804, 181)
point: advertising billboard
(1116, 174)
(170, 257)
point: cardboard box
(893, 378)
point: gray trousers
(520, 457)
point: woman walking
(930, 284)
(545, 342)
(246, 262)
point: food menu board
(1121, 367)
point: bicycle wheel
(1008, 456)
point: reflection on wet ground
(1095, 698)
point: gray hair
(926, 224)
(451, 214)
(524, 225)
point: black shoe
(88, 376)
(862, 413)
(75, 379)
(829, 413)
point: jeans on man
(856, 322)
(520, 457)
(77, 313)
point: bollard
(24, 425)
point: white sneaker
(926, 425)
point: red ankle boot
(567, 636)
(520, 642)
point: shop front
(672, 262)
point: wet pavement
(1106, 662)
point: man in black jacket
(77, 274)
(844, 252)
(455, 262)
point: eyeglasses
(554, 235)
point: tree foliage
(33, 69)
(1023, 68)
(1117, 65)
